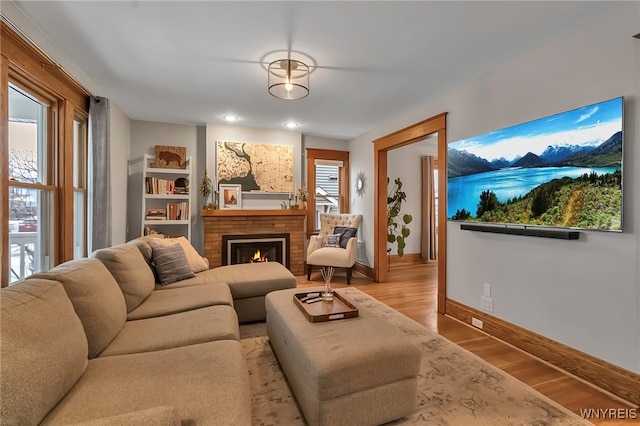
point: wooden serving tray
(339, 308)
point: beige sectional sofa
(95, 341)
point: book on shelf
(178, 211)
(156, 214)
(157, 186)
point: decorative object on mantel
(231, 196)
(361, 183)
(397, 231)
(251, 213)
(301, 198)
(205, 190)
(257, 167)
(170, 157)
(288, 79)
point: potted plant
(303, 196)
(205, 189)
(397, 230)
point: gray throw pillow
(346, 233)
(171, 264)
(333, 240)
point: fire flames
(258, 258)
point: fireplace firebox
(254, 248)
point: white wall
(581, 293)
(405, 163)
(325, 143)
(145, 135)
(120, 131)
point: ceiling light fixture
(290, 125)
(288, 79)
(230, 117)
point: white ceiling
(192, 62)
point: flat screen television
(563, 171)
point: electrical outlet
(486, 303)
(476, 323)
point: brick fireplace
(219, 223)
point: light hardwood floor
(411, 289)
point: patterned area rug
(455, 387)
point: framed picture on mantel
(230, 196)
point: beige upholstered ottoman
(352, 371)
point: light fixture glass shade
(288, 79)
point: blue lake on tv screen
(464, 191)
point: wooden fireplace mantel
(239, 212)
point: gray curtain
(100, 175)
(428, 247)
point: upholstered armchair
(336, 244)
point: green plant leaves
(405, 231)
(395, 232)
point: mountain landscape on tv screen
(607, 154)
(510, 177)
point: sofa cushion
(253, 279)
(145, 248)
(206, 383)
(131, 271)
(96, 298)
(156, 416)
(182, 299)
(201, 278)
(172, 331)
(43, 350)
(171, 263)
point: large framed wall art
(255, 167)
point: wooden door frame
(407, 136)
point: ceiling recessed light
(230, 117)
(290, 125)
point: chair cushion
(131, 271)
(171, 263)
(345, 233)
(96, 298)
(330, 256)
(43, 350)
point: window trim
(29, 68)
(314, 154)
